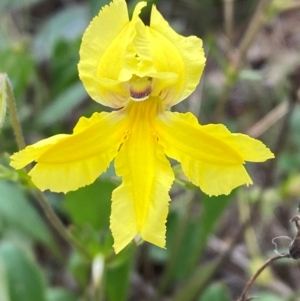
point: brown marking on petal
(140, 88)
(140, 95)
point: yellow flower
(141, 71)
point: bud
(97, 271)
(3, 97)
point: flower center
(140, 88)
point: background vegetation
(251, 83)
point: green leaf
(197, 230)
(91, 204)
(59, 294)
(80, 268)
(24, 278)
(67, 24)
(270, 297)
(19, 65)
(213, 207)
(64, 62)
(197, 281)
(62, 105)
(4, 292)
(17, 213)
(216, 291)
(118, 275)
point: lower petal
(67, 162)
(140, 204)
(211, 157)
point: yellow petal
(148, 63)
(250, 149)
(140, 204)
(174, 53)
(67, 162)
(211, 157)
(31, 152)
(106, 49)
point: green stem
(40, 197)
(11, 102)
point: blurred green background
(251, 83)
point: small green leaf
(270, 297)
(59, 294)
(24, 278)
(216, 291)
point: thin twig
(228, 20)
(243, 296)
(253, 28)
(269, 120)
(238, 56)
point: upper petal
(174, 53)
(148, 63)
(67, 162)
(211, 157)
(105, 50)
(140, 203)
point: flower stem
(11, 102)
(39, 196)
